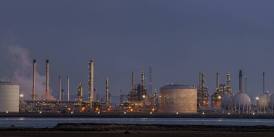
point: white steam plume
(23, 72)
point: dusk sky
(177, 38)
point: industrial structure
(9, 97)
(241, 101)
(202, 94)
(263, 101)
(178, 99)
(171, 98)
(222, 90)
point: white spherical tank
(9, 97)
(178, 98)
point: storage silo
(178, 98)
(9, 97)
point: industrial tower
(202, 92)
(91, 82)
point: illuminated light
(83, 109)
(71, 112)
(228, 113)
(99, 113)
(21, 95)
(144, 96)
(253, 113)
(219, 97)
(177, 113)
(125, 113)
(7, 111)
(150, 113)
(257, 98)
(153, 109)
(40, 112)
(160, 96)
(131, 110)
(203, 113)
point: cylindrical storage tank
(178, 98)
(9, 97)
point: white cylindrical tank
(9, 97)
(263, 101)
(178, 98)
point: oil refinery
(169, 99)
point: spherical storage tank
(9, 97)
(178, 98)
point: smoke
(22, 73)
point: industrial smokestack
(60, 88)
(217, 81)
(143, 79)
(241, 81)
(228, 79)
(132, 82)
(47, 80)
(107, 93)
(150, 81)
(33, 94)
(263, 82)
(91, 82)
(68, 87)
(80, 92)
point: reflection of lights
(257, 98)
(21, 118)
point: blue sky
(177, 38)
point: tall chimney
(203, 80)
(241, 81)
(132, 82)
(263, 82)
(80, 93)
(150, 81)
(107, 92)
(200, 80)
(228, 79)
(68, 87)
(91, 82)
(217, 81)
(143, 79)
(33, 94)
(60, 88)
(47, 80)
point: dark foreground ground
(106, 130)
